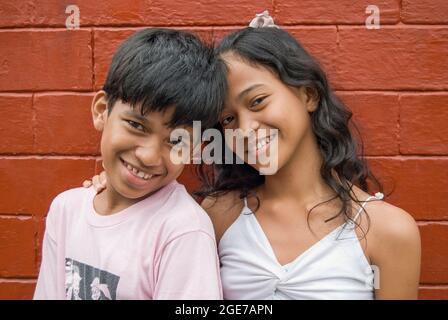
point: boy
(143, 237)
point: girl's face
(258, 99)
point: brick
(107, 42)
(17, 247)
(424, 11)
(133, 13)
(321, 43)
(433, 293)
(210, 12)
(423, 123)
(45, 60)
(98, 166)
(52, 13)
(16, 14)
(17, 289)
(418, 185)
(392, 58)
(434, 253)
(64, 124)
(334, 12)
(16, 129)
(376, 117)
(29, 185)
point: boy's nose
(149, 155)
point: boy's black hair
(159, 68)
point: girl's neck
(300, 177)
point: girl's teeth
(263, 142)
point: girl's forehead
(240, 72)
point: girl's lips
(257, 149)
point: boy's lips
(138, 172)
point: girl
(311, 230)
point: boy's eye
(226, 121)
(257, 101)
(136, 125)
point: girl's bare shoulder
(390, 229)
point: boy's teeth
(138, 173)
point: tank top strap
(246, 209)
(377, 196)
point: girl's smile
(261, 145)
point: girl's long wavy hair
(343, 163)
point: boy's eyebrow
(247, 90)
(136, 115)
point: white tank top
(333, 268)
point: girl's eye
(226, 121)
(136, 125)
(257, 101)
(177, 142)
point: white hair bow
(262, 20)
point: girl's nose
(248, 125)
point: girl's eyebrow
(247, 90)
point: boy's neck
(110, 201)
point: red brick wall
(395, 79)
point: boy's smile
(138, 177)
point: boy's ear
(99, 110)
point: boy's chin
(139, 194)
(136, 194)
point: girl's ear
(311, 99)
(99, 110)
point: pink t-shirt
(162, 247)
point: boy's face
(135, 148)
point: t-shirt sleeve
(47, 286)
(189, 269)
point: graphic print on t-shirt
(84, 282)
